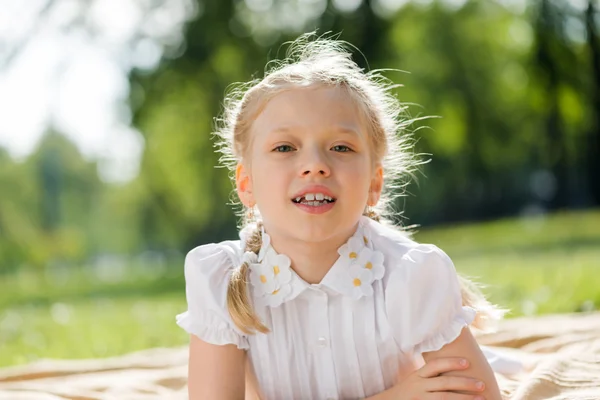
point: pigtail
(488, 314)
(238, 304)
(369, 212)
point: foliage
(514, 89)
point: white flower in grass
(360, 281)
(351, 250)
(373, 261)
(271, 278)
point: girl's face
(309, 167)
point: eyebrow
(336, 129)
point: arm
(466, 346)
(428, 382)
(215, 372)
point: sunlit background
(107, 170)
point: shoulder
(422, 293)
(223, 253)
(208, 270)
(405, 257)
(389, 239)
(208, 267)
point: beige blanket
(562, 355)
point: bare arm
(428, 382)
(466, 346)
(215, 372)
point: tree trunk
(593, 145)
(556, 149)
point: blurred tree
(593, 146)
(182, 198)
(489, 72)
(548, 44)
(15, 227)
(467, 66)
(45, 205)
(518, 93)
(50, 173)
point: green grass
(89, 328)
(530, 266)
(533, 266)
(85, 314)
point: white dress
(384, 302)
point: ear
(243, 184)
(376, 186)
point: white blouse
(385, 301)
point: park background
(107, 165)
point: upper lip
(314, 189)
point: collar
(274, 281)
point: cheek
(359, 176)
(269, 178)
(359, 170)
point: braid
(372, 214)
(238, 304)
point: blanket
(560, 355)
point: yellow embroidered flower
(373, 261)
(360, 282)
(352, 249)
(271, 278)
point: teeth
(313, 203)
(313, 198)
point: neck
(310, 260)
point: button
(322, 341)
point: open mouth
(314, 199)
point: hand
(427, 384)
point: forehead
(313, 109)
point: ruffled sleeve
(424, 302)
(207, 272)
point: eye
(284, 148)
(341, 148)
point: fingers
(453, 396)
(441, 387)
(454, 383)
(441, 365)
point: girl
(321, 298)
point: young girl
(321, 298)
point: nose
(315, 164)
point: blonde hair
(326, 61)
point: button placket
(322, 342)
(323, 347)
